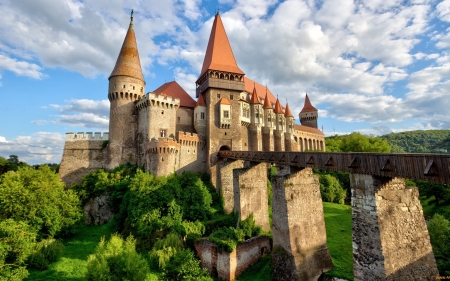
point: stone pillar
(250, 193)
(289, 143)
(390, 236)
(255, 138)
(226, 182)
(267, 139)
(299, 238)
(278, 137)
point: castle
(167, 131)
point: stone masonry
(390, 236)
(299, 238)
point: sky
(369, 66)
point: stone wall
(228, 266)
(225, 182)
(192, 153)
(390, 236)
(162, 156)
(82, 154)
(185, 120)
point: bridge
(389, 232)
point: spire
(200, 101)
(128, 63)
(308, 106)
(219, 55)
(254, 99)
(287, 111)
(278, 109)
(267, 102)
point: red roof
(278, 109)
(254, 99)
(287, 111)
(307, 129)
(225, 101)
(128, 63)
(267, 103)
(219, 55)
(173, 89)
(200, 101)
(308, 106)
(260, 89)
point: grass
(72, 265)
(261, 271)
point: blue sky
(372, 66)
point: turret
(269, 117)
(289, 119)
(200, 116)
(309, 114)
(256, 110)
(126, 85)
(279, 117)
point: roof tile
(308, 106)
(173, 89)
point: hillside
(420, 141)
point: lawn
(72, 264)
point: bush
(439, 230)
(184, 266)
(116, 260)
(164, 250)
(44, 253)
(331, 190)
(16, 243)
(38, 197)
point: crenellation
(81, 136)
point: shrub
(439, 230)
(44, 253)
(164, 250)
(184, 266)
(331, 190)
(16, 243)
(116, 260)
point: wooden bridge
(426, 167)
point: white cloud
(443, 10)
(21, 68)
(40, 147)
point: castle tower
(256, 115)
(126, 85)
(200, 116)
(279, 127)
(309, 114)
(289, 144)
(220, 82)
(267, 129)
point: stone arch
(224, 148)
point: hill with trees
(429, 141)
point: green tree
(116, 259)
(331, 190)
(184, 266)
(17, 240)
(356, 142)
(439, 230)
(39, 198)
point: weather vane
(132, 12)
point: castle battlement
(87, 136)
(163, 145)
(157, 100)
(189, 139)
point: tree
(439, 230)
(331, 190)
(39, 198)
(116, 259)
(356, 142)
(17, 240)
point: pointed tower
(289, 144)
(267, 129)
(126, 85)
(309, 114)
(256, 117)
(200, 116)
(221, 83)
(280, 121)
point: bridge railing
(427, 167)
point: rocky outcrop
(98, 210)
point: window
(114, 86)
(202, 115)
(218, 96)
(133, 87)
(142, 89)
(162, 111)
(257, 115)
(226, 114)
(163, 133)
(178, 119)
(231, 97)
(123, 86)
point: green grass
(72, 264)
(260, 271)
(338, 223)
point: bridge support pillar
(250, 193)
(390, 236)
(255, 138)
(278, 137)
(226, 189)
(299, 238)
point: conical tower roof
(308, 106)
(278, 109)
(219, 55)
(267, 102)
(287, 111)
(200, 101)
(128, 63)
(254, 99)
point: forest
(157, 220)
